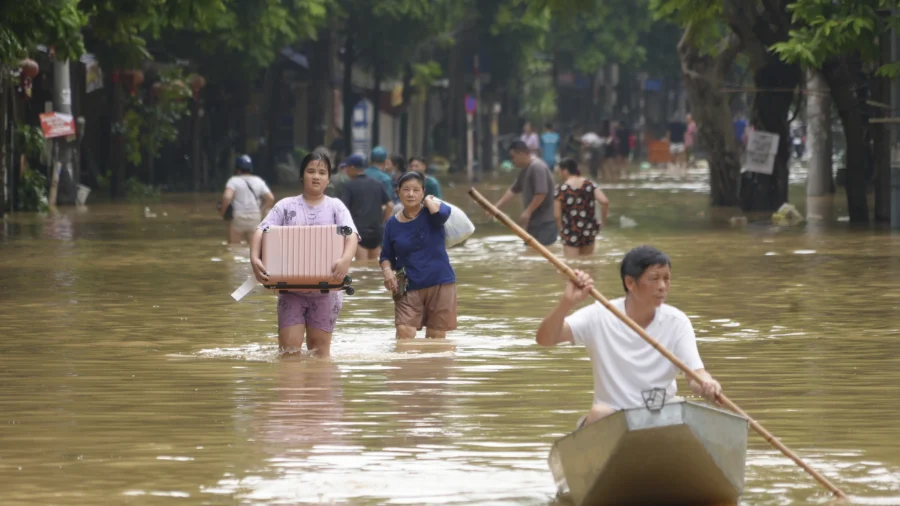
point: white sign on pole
(761, 150)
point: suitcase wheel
(345, 231)
(349, 290)
(348, 280)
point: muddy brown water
(129, 376)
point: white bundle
(458, 227)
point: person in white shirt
(624, 364)
(249, 197)
(530, 138)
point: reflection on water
(128, 374)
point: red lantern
(197, 84)
(29, 70)
(133, 79)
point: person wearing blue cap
(369, 207)
(245, 200)
(377, 171)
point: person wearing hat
(369, 207)
(378, 170)
(249, 198)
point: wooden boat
(684, 453)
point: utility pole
(819, 181)
(62, 103)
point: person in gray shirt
(535, 183)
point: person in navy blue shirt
(425, 296)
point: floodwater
(129, 376)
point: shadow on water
(128, 375)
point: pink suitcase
(301, 258)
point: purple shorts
(316, 310)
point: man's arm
(509, 195)
(388, 211)
(554, 329)
(227, 197)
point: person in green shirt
(432, 185)
(377, 170)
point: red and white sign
(57, 124)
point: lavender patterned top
(294, 211)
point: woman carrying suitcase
(308, 314)
(425, 289)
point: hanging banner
(93, 75)
(761, 150)
(57, 124)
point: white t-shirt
(245, 204)
(532, 141)
(624, 364)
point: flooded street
(128, 375)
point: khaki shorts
(245, 224)
(433, 307)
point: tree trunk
(882, 137)
(764, 192)
(703, 75)
(117, 144)
(404, 114)
(843, 83)
(347, 90)
(4, 122)
(320, 66)
(376, 106)
(195, 144)
(426, 126)
(819, 180)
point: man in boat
(625, 366)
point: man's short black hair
(418, 159)
(519, 146)
(638, 260)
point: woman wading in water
(413, 245)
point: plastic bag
(458, 227)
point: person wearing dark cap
(249, 198)
(369, 206)
(377, 170)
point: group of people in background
(397, 220)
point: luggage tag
(244, 289)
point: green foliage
(539, 93)
(118, 29)
(424, 74)
(830, 28)
(27, 23)
(594, 41)
(706, 19)
(136, 191)
(250, 32)
(33, 192)
(30, 141)
(152, 121)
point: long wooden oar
(725, 401)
